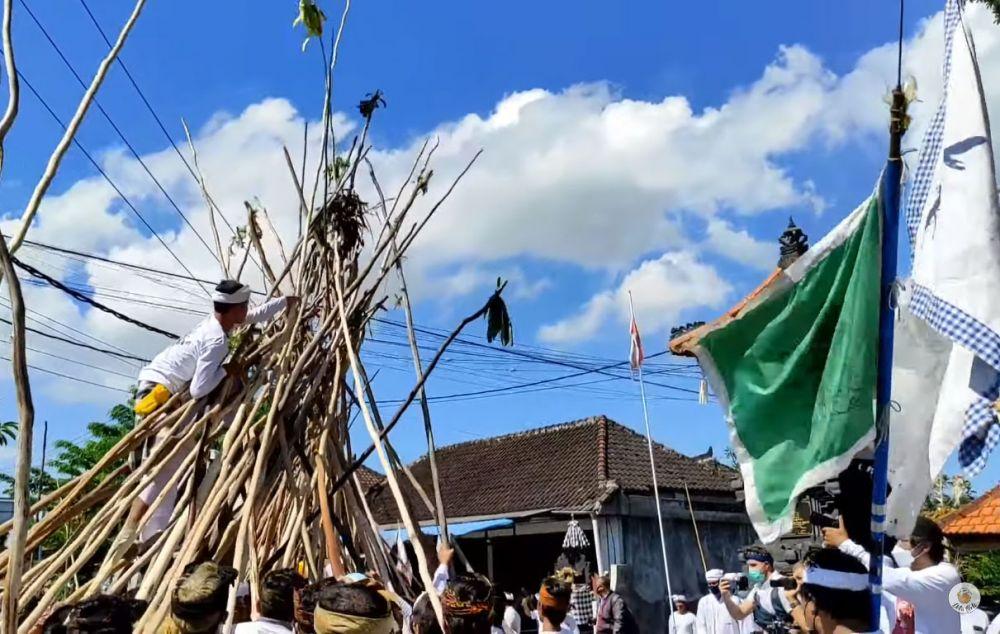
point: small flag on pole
(635, 354)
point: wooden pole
(697, 537)
(26, 412)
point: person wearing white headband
(196, 361)
(835, 597)
(682, 621)
(713, 617)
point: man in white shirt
(713, 617)
(196, 360)
(925, 584)
(275, 605)
(682, 621)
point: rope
(83, 298)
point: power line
(531, 356)
(100, 170)
(138, 267)
(79, 344)
(66, 326)
(120, 60)
(71, 378)
(83, 298)
(117, 130)
(75, 362)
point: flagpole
(890, 238)
(652, 466)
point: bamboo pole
(26, 421)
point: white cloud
(580, 177)
(661, 290)
(740, 246)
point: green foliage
(39, 483)
(8, 432)
(983, 571)
(75, 459)
(312, 18)
(498, 319)
(947, 494)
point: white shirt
(975, 622)
(263, 626)
(681, 623)
(713, 617)
(511, 621)
(197, 357)
(926, 589)
(994, 626)
(569, 625)
(763, 594)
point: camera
(738, 581)
(785, 583)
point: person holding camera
(769, 604)
(712, 617)
(923, 579)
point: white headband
(239, 296)
(714, 575)
(835, 579)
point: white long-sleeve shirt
(681, 623)
(713, 617)
(927, 590)
(197, 357)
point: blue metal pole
(890, 192)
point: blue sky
(659, 146)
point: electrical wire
(101, 171)
(71, 378)
(117, 130)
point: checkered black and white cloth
(930, 149)
(981, 430)
(582, 604)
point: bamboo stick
(26, 421)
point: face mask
(756, 577)
(902, 556)
(714, 590)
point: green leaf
(312, 18)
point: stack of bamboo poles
(267, 474)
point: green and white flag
(794, 366)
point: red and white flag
(635, 353)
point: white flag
(946, 374)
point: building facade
(510, 500)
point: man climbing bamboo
(197, 360)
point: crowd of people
(826, 593)
(356, 603)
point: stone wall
(633, 540)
